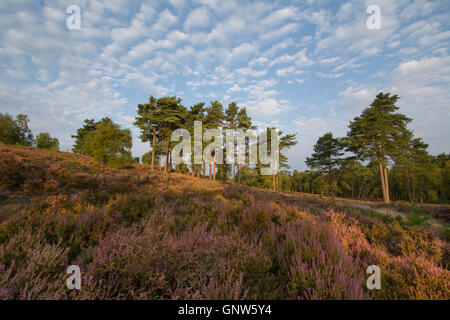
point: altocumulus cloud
(306, 67)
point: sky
(302, 66)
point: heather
(143, 234)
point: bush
(417, 216)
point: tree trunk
(214, 167)
(383, 183)
(167, 155)
(210, 171)
(330, 178)
(408, 186)
(239, 166)
(153, 147)
(277, 181)
(386, 181)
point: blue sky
(302, 66)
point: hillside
(138, 234)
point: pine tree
(244, 123)
(327, 157)
(214, 119)
(379, 133)
(157, 119)
(173, 117)
(286, 142)
(149, 120)
(196, 113)
(231, 122)
(89, 126)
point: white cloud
(281, 15)
(280, 32)
(268, 107)
(308, 131)
(299, 59)
(242, 52)
(329, 75)
(197, 19)
(234, 88)
(291, 70)
(424, 96)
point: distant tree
(441, 159)
(44, 141)
(327, 157)
(231, 122)
(195, 113)
(445, 185)
(379, 133)
(214, 119)
(147, 158)
(244, 123)
(354, 178)
(420, 174)
(149, 120)
(15, 131)
(173, 116)
(108, 143)
(286, 142)
(89, 126)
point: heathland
(138, 233)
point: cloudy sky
(305, 66)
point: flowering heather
(137, 236)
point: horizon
(305, 67)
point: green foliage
(147, 158)
(379, 131)
(327, 157)
(378, 134)
(417, 217)
(44, 141)
(79, 146)
(445, 231)
(108, 143)
(157, 119)
(15, 131)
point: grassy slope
(136, 234)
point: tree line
(17, 132)
(158, 119)
(378, 158)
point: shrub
(417, 217)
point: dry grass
(138, 234)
